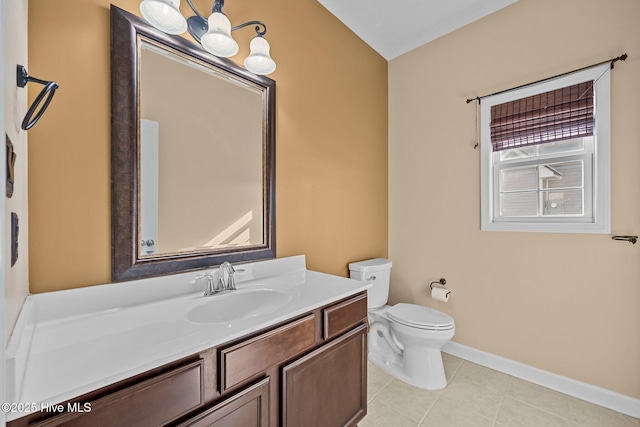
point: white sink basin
(239, 305)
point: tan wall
(568, 304)
(16, 277)
(331, 138)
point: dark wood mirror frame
(126, 262)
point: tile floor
(477, 397)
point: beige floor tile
(410, 401)
(377, 379)
(540, 397)
(379, 415)
(451, 365)
(484, 376)
(447, 412)
(514, 413)
(474, 397)
(477, 398)
(585, 414)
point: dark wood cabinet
(247, 408)
(328, 386)
(155, 401)
(307, 371)
(250, 357)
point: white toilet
(404, 339)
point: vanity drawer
(343, 316)
(253, 356)
(153, 402)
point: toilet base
(393, 364)
(410, 354)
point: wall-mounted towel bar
(49, 89)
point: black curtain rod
(610, 61)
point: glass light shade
(259, 61)
(218, 40)
(164, 15)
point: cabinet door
(328, 386)
(247, 408)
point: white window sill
(595, 228)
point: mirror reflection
(201, 156)
(192, 155)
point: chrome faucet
(219, 280)
(226, 271)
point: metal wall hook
(630, 239)
(22, 78)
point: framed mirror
(192, 155)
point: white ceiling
(394, 27)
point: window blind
(546, 117)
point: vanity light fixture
(213, 33)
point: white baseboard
(590, 393)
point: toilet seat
(417, 316)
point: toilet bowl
(404, 339)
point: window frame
(601, 167)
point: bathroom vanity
(300, 361)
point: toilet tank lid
(375, 264)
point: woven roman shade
(546, 117)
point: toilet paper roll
(440, 294)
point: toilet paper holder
(442, 282)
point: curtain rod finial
(622, 57)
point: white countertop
(84, 339)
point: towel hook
(49, 89)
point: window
(545, 155)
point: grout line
(495, 418)
(542, 409)
(439, 395)
(564, 397)
(458, 368)
(370, 398)
(568, 418)
(430, 408)
(504, 395)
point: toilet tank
(376, 271)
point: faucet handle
(226, 271)
(231, 283)
(218, 282)
(228, 267)
(214, 282)
(209, 287)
